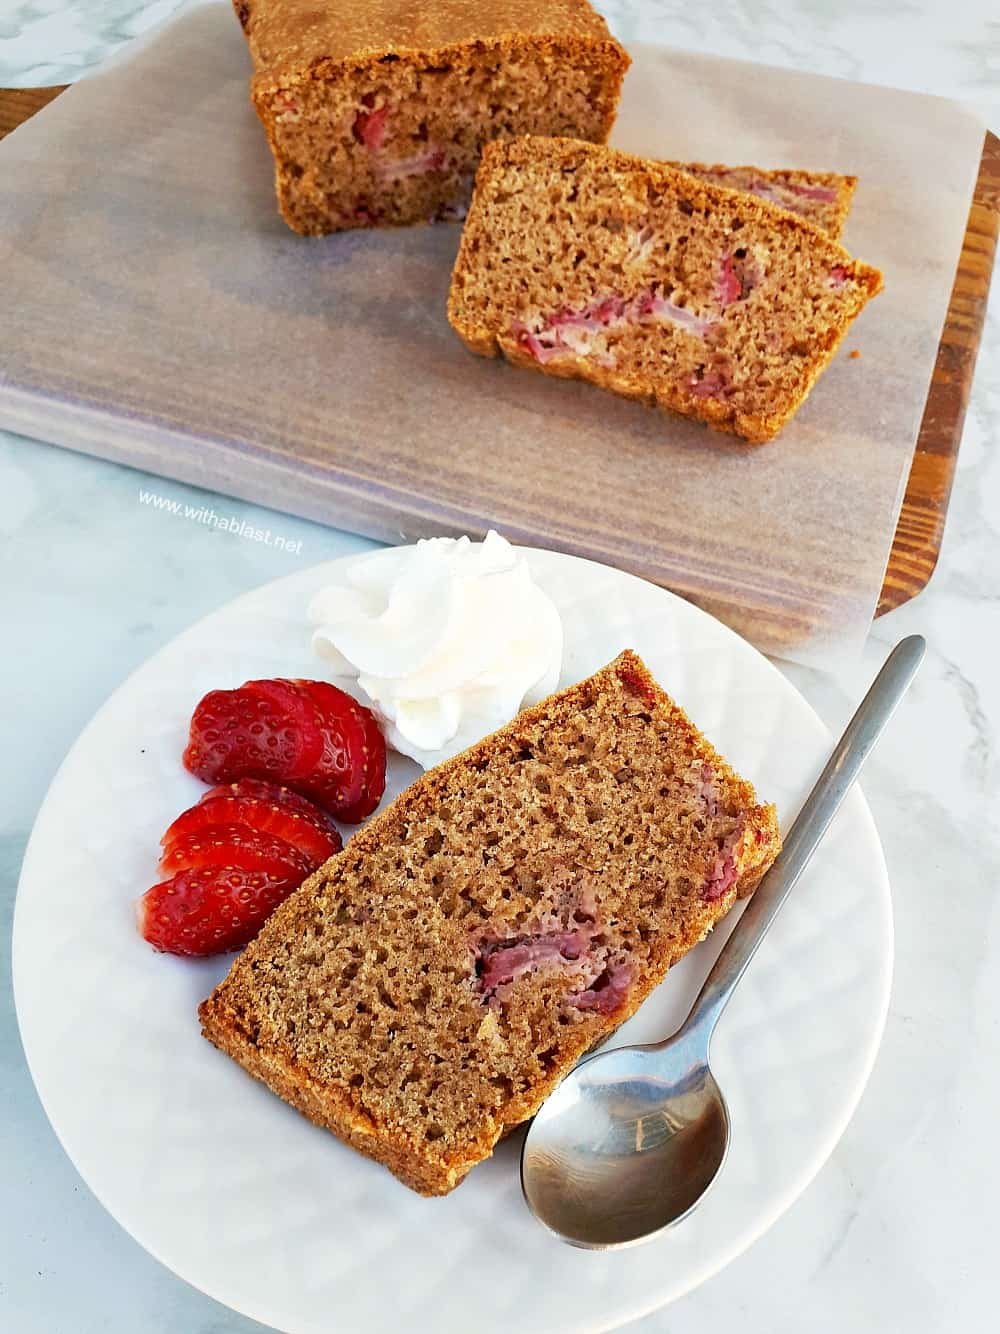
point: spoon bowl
(627, 1145)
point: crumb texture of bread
(377, 113)
(426, 989)
(592, 264)
(822, 197)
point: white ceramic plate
(246, 1200)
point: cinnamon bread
(376, 113)
(426, 989)
(592, 264)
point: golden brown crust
(288, 36)
(535, 160)
(249, 1023)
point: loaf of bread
(596, 265)
(823, 197)
(427, 988)
(376, 113)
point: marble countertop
(896, 1231)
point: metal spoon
(632, 1139)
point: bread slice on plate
(427, 988)
(591, 264)
(376, 113)
(821, 197)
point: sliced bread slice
(822, 197)
(592, 264)
(427, 988)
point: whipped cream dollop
(449, 639)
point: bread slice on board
(591, 264)
(821, 197)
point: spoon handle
(812, 822)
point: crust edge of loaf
(751, 428)
(331, 1108)
(605, 51)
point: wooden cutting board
(917, 542)
(918, 536)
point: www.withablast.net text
(226, 523)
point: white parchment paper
(155, 310)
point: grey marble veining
(895, 1231)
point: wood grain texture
(917, 543)
(919, 532)
(17, 104)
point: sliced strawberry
(240, 734)
(308, 734)
(265, 791)
(294, 704)
(375, 760)
(369, 127)
(308, 832)
(234, 845)
(728, 287)
(350, 777)
(211, 910)
(342, 729)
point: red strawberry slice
(309, 832)
(350, 778)
(293, 703)
(265, 791)
(342, 729)
(728, 287)
(235, 845)
(369, 127)
(240, 734)
(375, 769)
(209, 911)
(308, 734)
